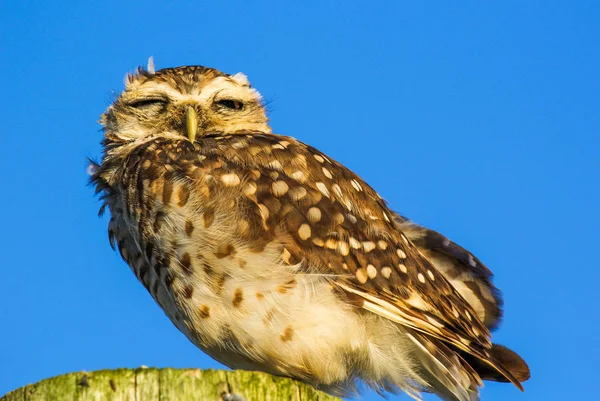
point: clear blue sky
(481, 121)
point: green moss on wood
(150, 384)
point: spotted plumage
(270, 255)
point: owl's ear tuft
(130, 79)
(241, 79)
(141, 74)
(150, 68)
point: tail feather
(508, 361)
(447, 374)
(455, 375)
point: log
(151, 384)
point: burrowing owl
(270, 255)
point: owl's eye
(231, 104)
(145, 103)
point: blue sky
(480, 120)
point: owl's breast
(239, 297)
(205, 250)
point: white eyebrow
(223, 85)
(228, 88)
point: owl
(270, 255)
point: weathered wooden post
(150, 384)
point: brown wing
(339, 227)
(467, 274)
(328, 218)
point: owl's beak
(191, 117)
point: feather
(467, 274)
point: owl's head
(190, 101)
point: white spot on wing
(230, 179)
(371, 271)
(314, 214)
(343, 248)
(319, 158)
(356, 185)
(298, 176)
(361, 275)
(368, 246)
(304, 231)
(323, 188)
(279, 188)
(354, 243)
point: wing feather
(471, 278)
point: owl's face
(184, 101)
